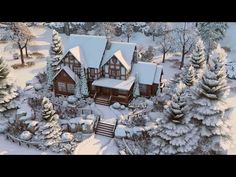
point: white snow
(115, 83)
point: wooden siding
(72, 62)
(64, 78)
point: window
(70, 88)
(61, 87)
(115, 73)
(76, 70)
(92, 72)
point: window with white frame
(61, 87)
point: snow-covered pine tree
(136, 91)
(49, 130)
(8, 90)
(209, 107)
(84, 86)
(78, 88)
(55, 64)
(50, 73)
(177, 135)
(188, 76)
(56, 46)
(198, 58)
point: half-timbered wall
(115, 70)
(94, 73)
(72, 62)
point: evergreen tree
(8, 90)
(209, 108)
(78, 88)
(50, 74)
(188, 76)
(177, 135)
(84, 86)
(49, 130)
(56, 46)
(136, 91)
(55, 64)
(211, 33)
(198, 58)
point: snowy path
(95, 145)
(10, 148)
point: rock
(38, 87)
(122, 107)
(137, 131)
(64, 103)
(149, 102)
(72, 99)
(32, 126)
(116, 105)
(3, 128)
(72, 128)
(26, 135)
(91, 117)
(67, 136)
(78, 136)
(120, 131)
(87, 126)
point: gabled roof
(124, 49)
(69, 72)
(115, 83)
(93, 48)
(78, 54)
(148, 73)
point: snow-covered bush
(56, 46)
(71, 99)
(26, 135)
(231, 70)
(188, 76)
(116, 105)
(66, 136)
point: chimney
(108, 46)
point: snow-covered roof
(159, 70)
(148, 73)
(78, 54)
(123, 51)
(69, 72)
(93, 48)
(115, 83)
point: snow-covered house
(110, 69)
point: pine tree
(188, 76)
(8, 90)
(50, 74)
(177, 135)
(49, 130)
(136, 91)
(56, 46)
(55, 64)
(209, 108)
(78, 88)
(198, 58)
(211, 33)
(84, 86)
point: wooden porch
(108, 96)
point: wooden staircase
(103, 100)
(105, 129)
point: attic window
(114, 60)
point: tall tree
(188, 76)
(8, 90)
(128, 29)
(198, 58)
(166, 39)
(209, 107)
(177, 134)
(49, 130)
(153, 28)
(84, 85)
(186, 35)
(56, 46)
(211, 33)
(55, 63)
(20, 35)
(136, 91)
(78, 88)
(50, 73)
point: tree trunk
(163, 57)
(26, 51)
(182, 59)
(21, 56)
(128, 38)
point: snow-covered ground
(8, 147)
